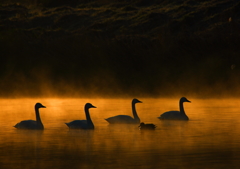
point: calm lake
(210, 139)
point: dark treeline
(119, 48)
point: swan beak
(43, 107)
(94, 107)
(188, 101)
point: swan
(144, 126)
(83, 124)
(32, 124)
(176, 115)
(125, 119)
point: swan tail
(106, 120)
(17, 125)
(109, 120)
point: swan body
(176, 115)
(144, 126)
(125, 119)
(83, 124)
(32, 124)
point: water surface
(210, 139)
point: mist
(112, 50)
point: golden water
(210, 139)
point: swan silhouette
(32, 124)
(83, 124)
(125, 119)
(144, 126)
(176, 115)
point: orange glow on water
(211, 131)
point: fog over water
(116, 76)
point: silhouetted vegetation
(119, 48)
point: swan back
(28, 124)
(173, 115)
(121, 119)
(78, 124)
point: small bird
(144, 126)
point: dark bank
(119, 48)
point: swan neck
(38, 119)
(181, 107)
(135, 112)
(89, 120)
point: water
(209, 140)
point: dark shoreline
(120, 48)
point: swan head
(184, 99)
(39, 105)
(89, 105)
(134, 101)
